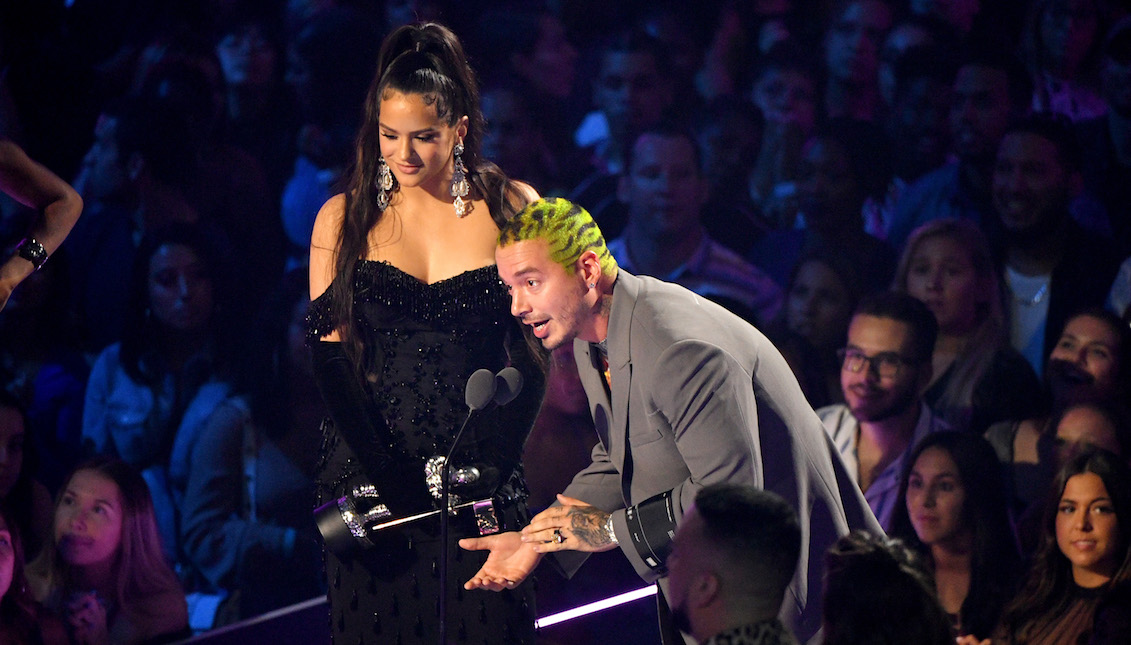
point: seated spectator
(149, 395)
(852, 57)
(912, 32)
(990, 90)
(785, 91)
(129, 181)
(106, 575)
(23, 621)
(664, 236)
(886, 362)
(877, 592)
(921, 95)
(1090, 362)
(631, 94)
(732, 559)
(822, 294)
(954, 514)
(1052, 266)
(1084, 558)
(331, 61)
(844, 167)
(1060, 43)
(27, 502)
(728, 133)
(979, 379)
(244, 524)
(259, 115)
(531, 50)
(1092, 425)
(513, 140)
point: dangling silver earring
(460, 187)
(383, 182)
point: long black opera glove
(399, 479)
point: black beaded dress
(421, 343)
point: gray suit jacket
(699, 396)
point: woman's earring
(460, 187)
(383, 183)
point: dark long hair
(427, 60)
(994, 561)
(1047, 591)
(142, 350)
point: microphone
(508, 385)
(481, 389)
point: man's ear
(704, 590)
(588, 266)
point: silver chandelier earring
(460, 187)
(383, 182)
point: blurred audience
(246, 523)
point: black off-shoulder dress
(422, 342)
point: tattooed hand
(573, 526)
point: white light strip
(600, 605)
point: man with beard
(885, 366)
(683, 394)
(1052, 266)
(732, 559)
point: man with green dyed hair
(567, 228)
(673, 382)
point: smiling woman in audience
(1078, 583)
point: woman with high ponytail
(407, 304)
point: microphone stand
(503, 388)
(445, 485)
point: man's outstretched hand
(511, 560)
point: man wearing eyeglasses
(885, 366)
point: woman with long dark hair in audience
(407, 305)
(1078, 584)
(979, 379)
(954, 513)
(106, 575)
(149, 395)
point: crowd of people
(922, 204)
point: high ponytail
(426, 59)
